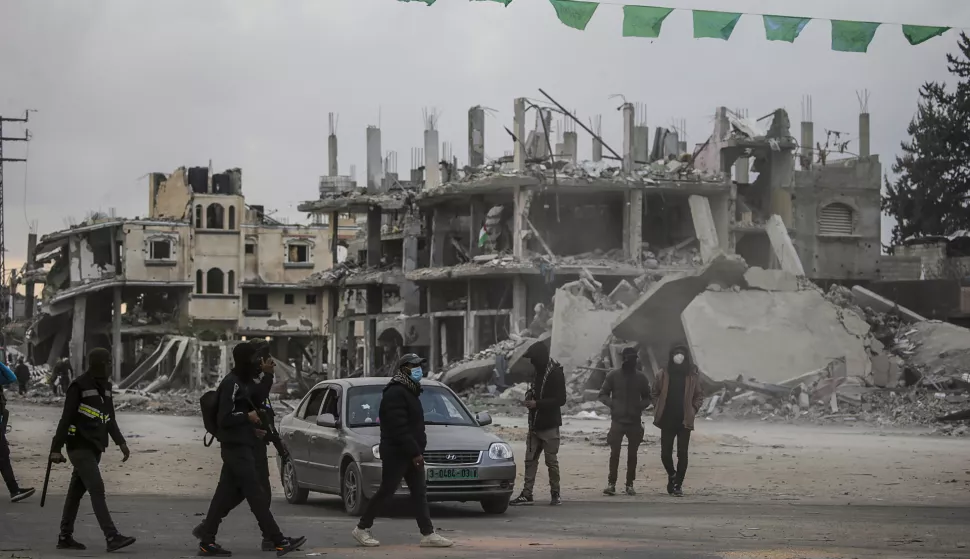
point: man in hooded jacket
(626, 391)
(678, 397)
(17, 493)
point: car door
(326, 444)
(297, 439)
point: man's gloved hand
(57, 458)
(126, 454)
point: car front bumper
(495, 480)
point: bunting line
(646, 22)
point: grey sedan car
(333, 441)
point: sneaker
(213, 550)
(521, 500)
(118, 541)
(630, 490)
(678, 491)
(68, 542)
(435, 540)
(556, 500)
(670, 485)
(610, 489)
(267, 545)
(288, 545)
(364, 538)
(22, 494)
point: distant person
(544, 400)
(403, 441)
(626, 392)
(23, 375)
(678, 397)
(17, 493)
(61, 376)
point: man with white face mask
(678, 397)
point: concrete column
(334, 237)
(443, 340)
(334, 170)
(641, 144)
(520, 211)
(542, 149)
(704, 228)
(224, 362)
(409, 290)
(439, 235)
(333, 335)
(29, 303)
(471, 333)
(520, 305)
(434, 360)
(864, 150)
(432, 162)
(370, 341)
(721, 212)
(518, 129)
(375, 161)
(476, 136)
(194, 359)
(477, 218)
(628, 119)
(597, 150)
(116, 348)
(681, 148)
(571, 141)
(78, 333)
(633, 226)
(374, 236)
(808, 143)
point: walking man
(86, 422)
(626, 392)
(544, 400)
(23, 375)
(17, 493)
(240, 431)
(678, 396)
(403, 441)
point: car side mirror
(483, 418)
(328, 420)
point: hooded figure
(627, 393)
(678, 396)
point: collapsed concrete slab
(783, 247)
(470, 373)
(772, 336)
(865, 298)
(654, 320)
(770, 280)
(578, 329)
(624, 294)
(704, 229)
(938, 347)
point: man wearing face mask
(403, 441)
(86, 423)
(626, 392)
(678, 396)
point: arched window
(214, 281)
(232, 217)
(231, 276)
(836, 219)
(214, 215)
(198, 281)
(198, 216)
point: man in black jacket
(544, 400)
(86, 422)
(17, 493)
(23, 375)
(626, 392)
(239, 433)
(403, 441)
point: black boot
(213, 550)
(118, 541)
(289, 544)
(678, 488)
(68, 542)
(670, 484)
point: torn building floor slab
(579, 329)
(772, 336)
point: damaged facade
(174, 290)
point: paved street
(657, 527)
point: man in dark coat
(403, 441)
(678, 396)
(626, 392)
(23, 375)
(17, 493)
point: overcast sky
(127, 87)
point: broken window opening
(160, 250)
(231, 275)
(297, 253)
(198, 281)
(215, 281)
(288, 299)
(311, 298)
(257, 302)
(232, 217)
(250, 248)
(214, 216)
(580, 225)
(198, 216)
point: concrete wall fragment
(782, 245)
(704, 227)
(578, 329)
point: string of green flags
(647, 21)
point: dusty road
(755, 490)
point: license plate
(449, 474)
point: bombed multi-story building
(174, 289)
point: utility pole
(7, 302)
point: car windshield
(440, 407)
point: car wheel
(496, 506)
(295, 495)
(352, 490)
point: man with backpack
(17, 493)
(237, 425)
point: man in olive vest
(86, 422)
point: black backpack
(209, 402)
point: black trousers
(86, 478)
(23, 388)
(241, 480)
(667, 437)
(396, 468)
(634, 436)
(6, 470)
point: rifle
(47, 480)
(272, 434)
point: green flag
(852, 36)
(784, 28)
(714, 25)
(505, 2)
(917, 34)
(643, 21)
(574, 14)
(428, 2)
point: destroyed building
(201, 270)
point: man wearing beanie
(86, 422)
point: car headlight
(376, 451)
(500, 451)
